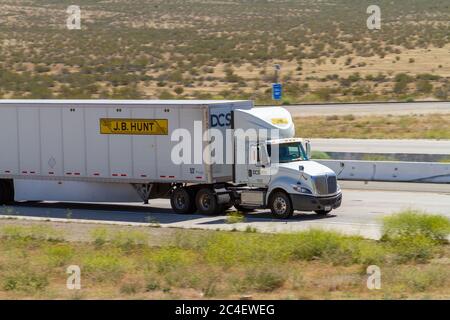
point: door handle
(250, 173)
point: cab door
(258, 167)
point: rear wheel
(322, 212)
(280, 205)
(182, 201)
(206, 202)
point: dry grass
(309, 265)
(376, 127)
(134, 49)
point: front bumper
(302, 202)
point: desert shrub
(125, 240)
(424, 86)
(130, 287)
(99, 236)
(105, 266)
(171, 258)
(235, 217)
(25, 280)
(128, 240)
(349, 117)
(35, 232)
(421, 280)
(264, 279)
(414, 235)
(412, 223)
(59, 255)
(228, 249)
(316, 244)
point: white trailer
(121, 151)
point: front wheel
(280, 205)
(182, 201)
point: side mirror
(308, 149)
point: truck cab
(280, 174)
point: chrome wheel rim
(280, 205)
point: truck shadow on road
(133, 213)
(265, 216)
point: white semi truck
(127, 151)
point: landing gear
(280, 205)
(182, 200)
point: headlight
(306, 190)
(302, 189)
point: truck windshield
(288, 152)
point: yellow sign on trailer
(134, 126)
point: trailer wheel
(206, 202)
(280, 205)
(182, 201)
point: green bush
(235, 217)
(316, 244)
(426, 278)
(414, 235)
(59, 255)
(169, 259)
(35, 232)
(25, 280)
(265, 279)
(105, 266)
(411, 223)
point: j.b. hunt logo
(218, 146)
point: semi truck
(123, 151)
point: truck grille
(326, 184)
(332, 184)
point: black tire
(206, 202)
(182, 201)
(322, 212)
(243, 209)
(281, 205)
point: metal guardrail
(392, 171)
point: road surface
(362, 210)
(382, 146)
(369, 109)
